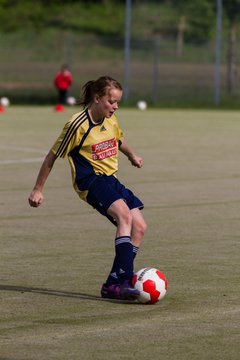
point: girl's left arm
(127, 151)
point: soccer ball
(142, 105)
(152, 285)
(71, 100)
(4, 101)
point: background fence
(28, 64)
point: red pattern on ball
(163, 277)
(150, 287)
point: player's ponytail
(98, 87)
(86, 96)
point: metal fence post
(127, 49)
(218, 52)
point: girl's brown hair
(98, 87)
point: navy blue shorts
(105, 190)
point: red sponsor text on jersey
(105, 154)
(103, 146)
(104, 149)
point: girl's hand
(36, 198)
(136, 161)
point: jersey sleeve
(66, 141)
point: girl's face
(108, 104)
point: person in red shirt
(62, 82)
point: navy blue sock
(135, 251)
(122, 268)
(124, 258)
(112, 277)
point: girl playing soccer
(91, 140)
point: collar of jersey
(91, 121)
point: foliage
(98, 16)
(200, 18)
(232, 9)
(149, 19)
(105, 17)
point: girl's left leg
(118, 284)
(139, 227)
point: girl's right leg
(106, 195)
(122, 271)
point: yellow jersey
(92, 149)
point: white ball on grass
(71, 100)
(142, 105)
(4, 101)
(152, 285)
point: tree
(232, 11)
(195, 21)
(76, 15)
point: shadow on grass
(68, 294)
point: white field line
(21, 161)
(24, 160)
(24, 149)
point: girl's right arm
(36, 197)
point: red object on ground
(59, 108)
